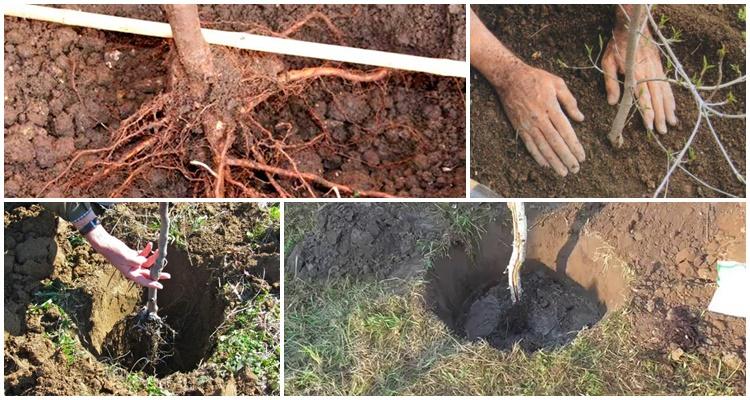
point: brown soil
(69, 89)
(658, 260)
(41, 261)
(541, 35)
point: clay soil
(67, 313)
(542, 35)
(584, 262)
(69, 89)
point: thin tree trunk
(518, 214)
(195, 54)
(197, 60)
(634, 29)
(161, 258)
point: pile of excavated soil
(67, 89)
(363, 239)
(45, 259)
(543, 35)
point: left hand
(655, 98)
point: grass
(267, 225)
(53, 299)
(139, 382)
(299, 219)
(369, 338)
(349, 338)
(465, 223)
(250, 342)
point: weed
(742, 14)
(60, 335)
(75, 239)
(299, 219)
(152, 387)
(249, 343)
(263, 228)
(692, 154)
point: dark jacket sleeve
(69, 211)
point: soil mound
(363, 239)
(550, 313)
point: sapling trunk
(518, 214)
(161, 259)
(193, 50)
(634, 30)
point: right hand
(532, 99)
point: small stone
(732, 361)
(676, 354)
(371, 158)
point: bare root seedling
(235, 156)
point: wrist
(509, 73)
(98, 238)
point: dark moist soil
(67, 88)
(543, 34)
(584, 261)
(363, 240)
(40, 258)
(550, 313)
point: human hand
(132, 264)
(655, 98)
(532, 99)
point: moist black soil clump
(551, 312)
(363, 239)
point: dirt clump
(550, 313)
(362, 239)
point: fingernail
(575, 169)
(662, 128)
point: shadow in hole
(583, 214)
